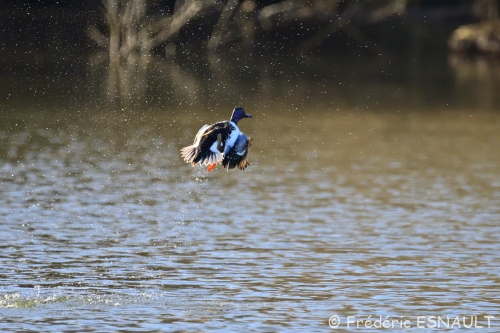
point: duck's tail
(189, 153)
(193, 155)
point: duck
(222, 142)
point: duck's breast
(233, 136)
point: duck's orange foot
(211, 167)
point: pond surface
(344, 211)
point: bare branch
(114, 29)
(218, 31)
(97, 36)
(266, 13)
(179, 19)
(394, 8)
(325, 33)
(159, 23)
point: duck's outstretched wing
(208, 145)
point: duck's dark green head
(238, 114)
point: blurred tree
(131, 30)
(134, 28)
(482, 37)
(131, 37)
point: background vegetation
(123, 35)
(143, 26)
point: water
(346, 211)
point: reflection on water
(478, 73)
(128, 82)
(206, 81)
(342, 212)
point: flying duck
(222, 142)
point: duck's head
(238, 114)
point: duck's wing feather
(188, 153)
(211, 143)
(237, 155)
(200, 133)
(244, 160)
